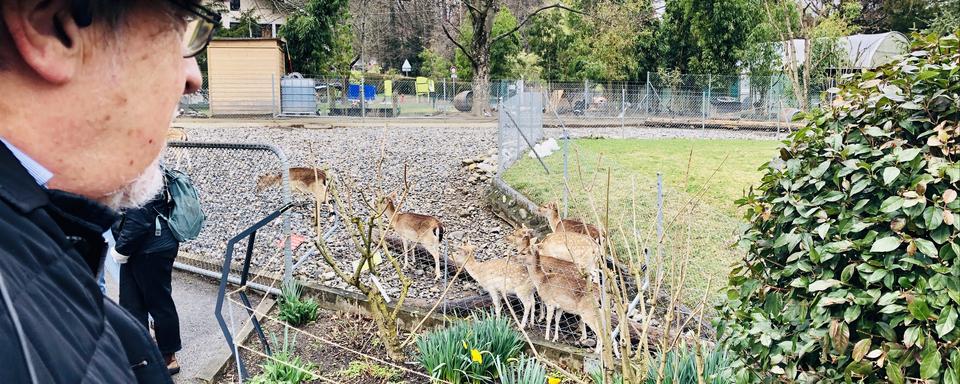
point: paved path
(200, 334)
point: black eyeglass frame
(203, 13)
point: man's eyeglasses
(201, 24)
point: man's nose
(194, 78)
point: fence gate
(226, 176)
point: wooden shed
(244, 76)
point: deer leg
(434, 250)
(496, 302)
(583, 330)
(528, 304)
(549, 315)
(556, 327)
(406, 250)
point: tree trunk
(481, 89)
(386, 325)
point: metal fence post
(623, 105)
(363, 98)
(659, 224)
(705, 99)
(273, 93)
(566, 151)
(585, 96)
(646, 107)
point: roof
(864, 50)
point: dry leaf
(949, 196)
(912, 248)
(948, 218)
(933, 141)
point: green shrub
(851, 268)
(467, 351)
(293, 308)
(680, 367)
(284, 367)
(524, 370)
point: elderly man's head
(90, 86)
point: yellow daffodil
(476, 356)
(553, 380)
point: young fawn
(566, 292)
(499, 277)
(309, 181)
(558, 224)
(419, 229)
(577, 248)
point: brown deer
(565, 292)
(499, 277)
(558, 224)
(414, 227)
(309, 181)
(577, 248)
(176, 134)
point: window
(234, 5)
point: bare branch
(466, 53)
(530, 16)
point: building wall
(262, 9)
(244, 76)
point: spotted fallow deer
(565, 292)
(558, 224)
(309, 181)
(499, 277)
(577, 248)
(416, 228)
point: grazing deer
(414, 227)
(558, 224)
(309, 181)
(499, 277)
(176, 134)
(577, 248)
(565, 292)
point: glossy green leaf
(890, 174)
(885, 244)
(947, 321)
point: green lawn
(702, 226)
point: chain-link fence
(520, 127)
(747, 101)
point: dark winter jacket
(137, 234)
(55, 325)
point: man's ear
(47, 37)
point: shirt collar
(39, 173)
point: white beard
(139, 191)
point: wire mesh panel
(520, 126)
(239, 184)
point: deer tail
(438, 232)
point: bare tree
(808, 49)
(481, 14)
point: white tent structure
(864, 51)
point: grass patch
(706, 228)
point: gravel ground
(440, 186)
